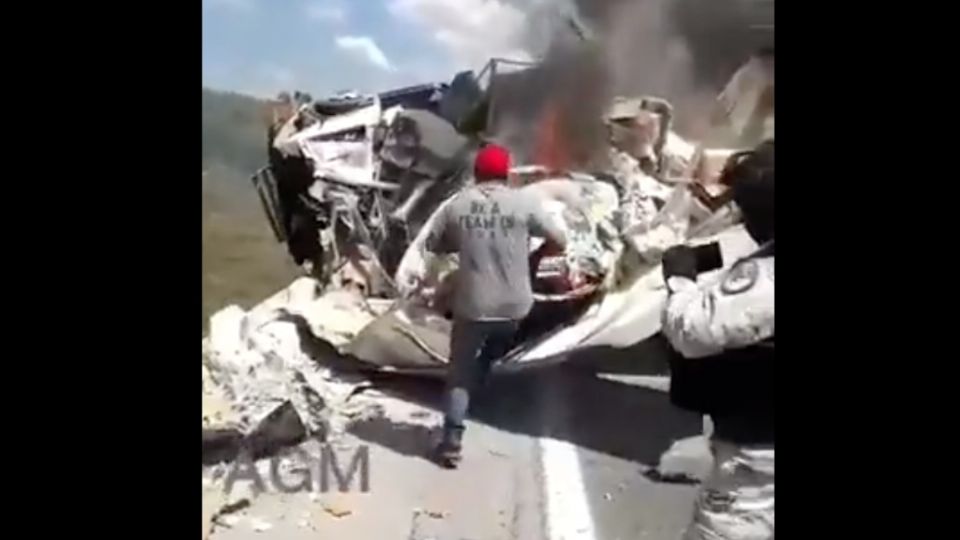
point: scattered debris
(227, 521)
(435, 514)
(259, 524)
(219, 445)
(238, 499)
(336, 510)
(279, 429)
(216, 406)
(265, 362)
(686, 461)
(235, 506)
(220, 507)
(212, 502)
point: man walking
(489, 225)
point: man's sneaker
(447, 452)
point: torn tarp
(410, 337)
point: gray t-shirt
(490, 226)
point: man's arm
(439, 238)
(736, 312)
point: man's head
(492, 164)
(750, 175)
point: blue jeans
(474, 347)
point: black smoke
(681, 50)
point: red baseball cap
(492, 163)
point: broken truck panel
(422, 96)
(460, 99)
(341, 147)
(423, 143)
(266, 186)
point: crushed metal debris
(259, 524)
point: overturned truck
(354, 182)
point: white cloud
(472, 31)
(235, 5)
(367, 48)
(327, 12)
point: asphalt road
(556, 453)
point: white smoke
(365, 47)
(471, 31)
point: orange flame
(551, 150)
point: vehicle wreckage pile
(352, 185)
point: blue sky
(321, 46)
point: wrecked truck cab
(340, 149)
(348, 175)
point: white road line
(567, 510)
(568, 513)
